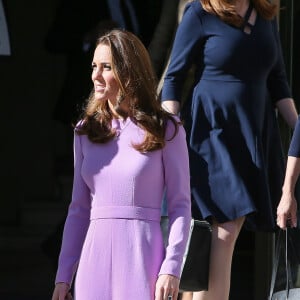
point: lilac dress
(112, 235)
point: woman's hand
(287, 211)
(166, 286)
(287, 208)
(61, 292)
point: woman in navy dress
(237, 165)
(287, 208)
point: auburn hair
(225, 10)
(133, 70)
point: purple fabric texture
(112, 234)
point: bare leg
(224, 236)
(187, 296)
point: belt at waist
(125, 212)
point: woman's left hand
(167, 287)
(287, 211)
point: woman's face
(105, 84)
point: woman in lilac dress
(127, 153)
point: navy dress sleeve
(186, 46)
(277, 80)
(294, 149)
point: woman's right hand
(61, 292)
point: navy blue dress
(236, 158)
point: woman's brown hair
(133, 70)
(225, 10)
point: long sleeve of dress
(177, 179)
(277, 80)
(184, 50)
(77, 221)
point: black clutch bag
(195, 268)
